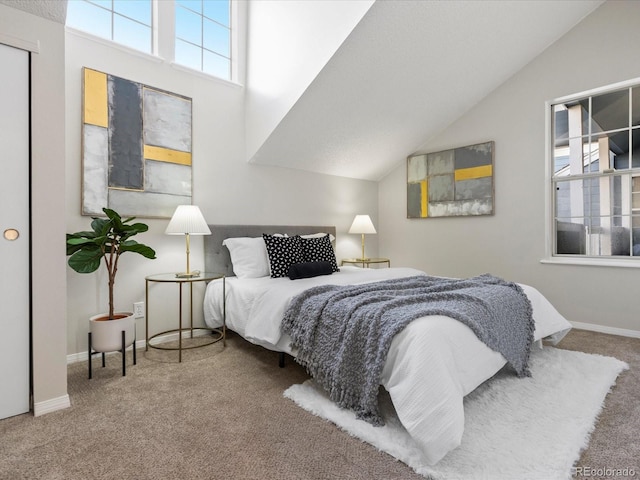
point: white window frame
(238, 27)
(163, 40)
(550, 231)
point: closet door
(14, 231)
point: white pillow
(248, 256)
(318, 235)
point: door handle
(11, 234)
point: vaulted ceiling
(55, 10)
(406, 71)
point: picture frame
(451, 183)
(136, 147)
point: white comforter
(432, 364)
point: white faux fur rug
(532, 428)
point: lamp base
(195, 273)
(363, 259)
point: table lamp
(362, 224)
(187, 220)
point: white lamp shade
(362, 224)
(187, 219)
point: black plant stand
(124, 354)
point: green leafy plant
(110, 238)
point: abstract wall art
(136, 147)
(454, 182)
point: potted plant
(110, 238)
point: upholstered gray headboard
(216, 256)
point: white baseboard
(623, 332)
(51, 405)
(83, 356)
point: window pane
(635, 109)
(610, 111)
(620, 241)
(188, 55)
(563, 203)
(570, 236)
(217, 65)
(635, 233)
(615, 196)
(89, 18)
(591, 157)
(635, 192)
(131, 33)
(216, 38)
(620, 236)
(606, 239)
(635, 154)
(139, 10)
(615, 146)
(561, 157)
(593, 239)
(560, 124)
(561, 161)
(188, 26)
(217, 10)
(195, 5)
(573, 198)
(635, 237)
(591, 188)
(618, 192)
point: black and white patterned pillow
(319, 249)
(283, 252)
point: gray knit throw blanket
(343, 333)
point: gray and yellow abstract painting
(451, 183)
(136, 150)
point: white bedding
(432, 364)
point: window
(203, 36)
(205, 30)
(124, 21)
(596, 173)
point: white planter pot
(106, 335)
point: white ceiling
(55, 10)
(407, 71)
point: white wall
(601, 50)
(225, 186)
(47, 202)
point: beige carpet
(221, 414)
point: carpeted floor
(615, 443)
(221, 414)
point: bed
(431, 364)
